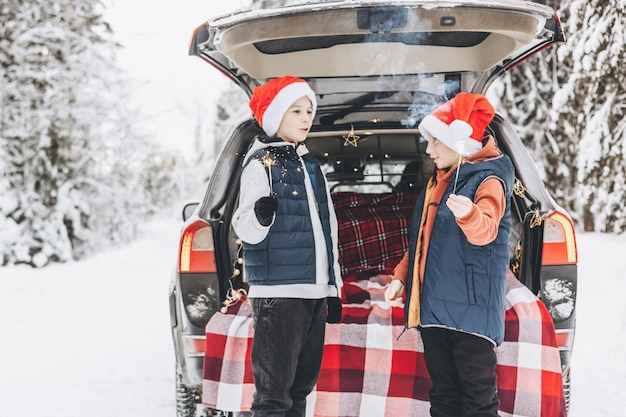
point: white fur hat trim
(273, 115)
(455, 136)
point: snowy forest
(77, 171)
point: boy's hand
(393, 293)
(264, 209)
(459, 205)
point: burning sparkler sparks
(268, 162)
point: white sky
(171, 84)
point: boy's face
(297, 121)
(441, 155)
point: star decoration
(351, 138)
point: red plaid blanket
(368, 370)
(373, 230)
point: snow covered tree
(231, 109)
(72, 161)
(567, 105)
(590, 108)
(525, 96)
(39, 127)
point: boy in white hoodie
(288, 226)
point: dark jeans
(462, 368)
(286, 354)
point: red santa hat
(271, 100)
(459, 123)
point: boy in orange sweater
(455, 268)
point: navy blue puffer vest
(464, 284)
(287, 254)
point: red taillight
(197, 253)
(559, 240)
(194, 345)
(565, 338)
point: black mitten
(333, 314)
(264, 209)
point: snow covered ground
(92, 339)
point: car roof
(355, 52)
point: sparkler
(268, 162)
(461, 152)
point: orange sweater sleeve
(401, 271)
(480, 225)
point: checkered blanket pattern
(373, 230)
(529, 366)
(372, 367)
